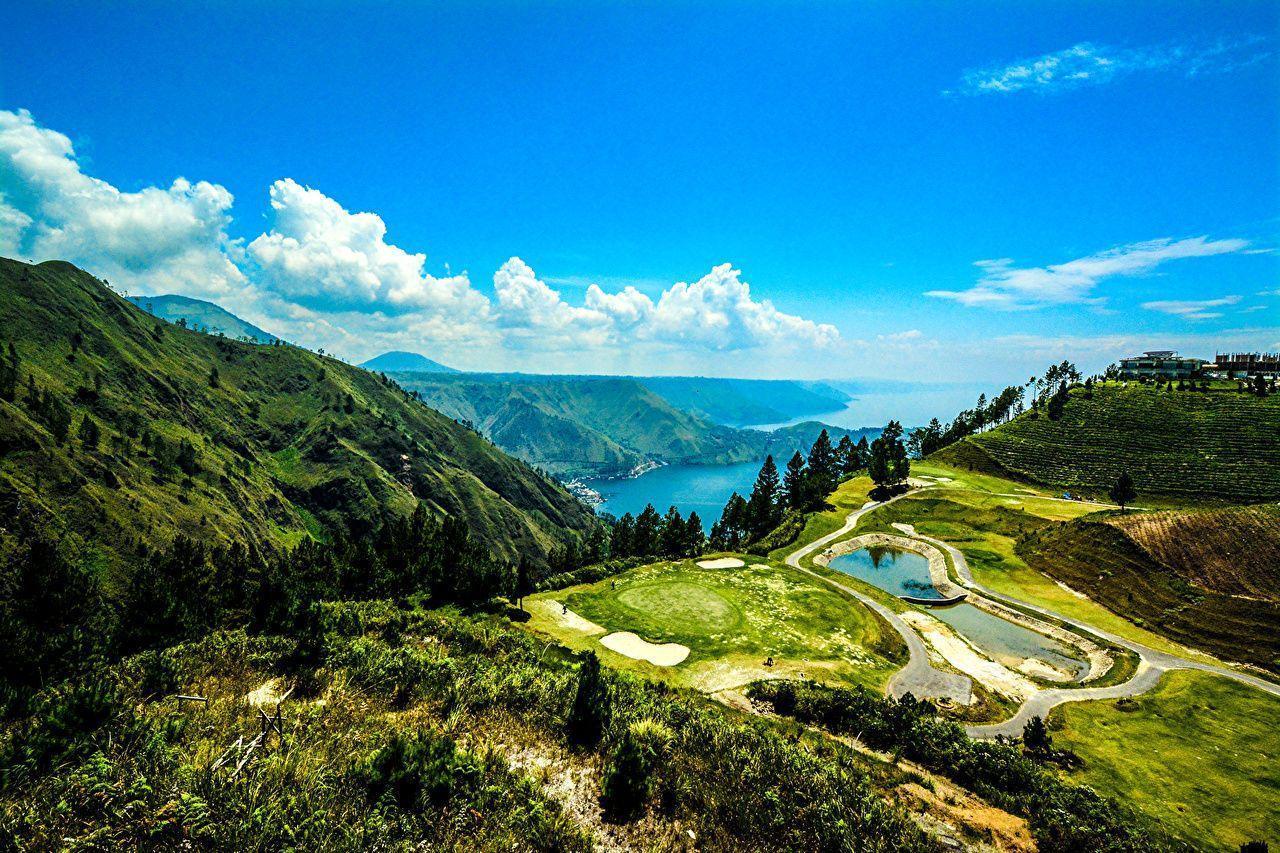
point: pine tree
(90, 434)
(793, 482)
(524, 582)
(694, 539)
(824, 475)
(672, 534)
(622, 537)
(846, 456)
(644, 542)
(762, 508)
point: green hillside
(202, 316)
(226, 441)
(596, 425)
(1103, 562)
(1215, 444)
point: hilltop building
(1160, 364)
(1242, 364)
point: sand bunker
(721, 563)
(566, 618)
(627, 643)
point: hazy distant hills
(398, 360)
(586, 425)
(201, 316)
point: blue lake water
(701, 488)
(894, 571)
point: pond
(1008, 643)
(891, 569)
(906, 573)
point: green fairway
(1199, 753)
(731, 620)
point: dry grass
(1233, 551)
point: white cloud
(1191, 309)
(909, 335)
(1007, 287)
(717, 312)
(1089, 64)
(156, 239)
(319, 254)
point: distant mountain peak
(406, 362)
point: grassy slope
(1199, 753)
(731, 620)
(302, 460)
(1221, 444)
(1233, 551)
(1101, 561)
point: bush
(628, 780)
(415, 769)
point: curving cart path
(920, 678)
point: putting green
(732, 621)
(685, 607)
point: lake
(701, 488)
(912, 404)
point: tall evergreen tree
(644, 542)
(793, 482)
(824, 474)
(524, 582)
(694, 539)
(762, 508)
(622, 537)
(889, 464)
(672, 534)
(846, 456)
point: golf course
(726, 620)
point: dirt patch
(266, 693)
(721, 563)
(632, 646)
(957, 652)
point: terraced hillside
(1102, 561)
(1217, 444)
(126, 429)
(1233, 551)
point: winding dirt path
(920, 678)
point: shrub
(628, 780)
(415, 769)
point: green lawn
(1199, 753)
(731, 620)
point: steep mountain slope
(597, 425)
(1216, 444)
(201, 316)
(127, 429)
(409, 361)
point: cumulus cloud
(156, 239)
(319, 254)
(1089, 64)
(1005, 286)
(1191, 309)
(326, 276)
(716, 312)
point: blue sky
(910, 190)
